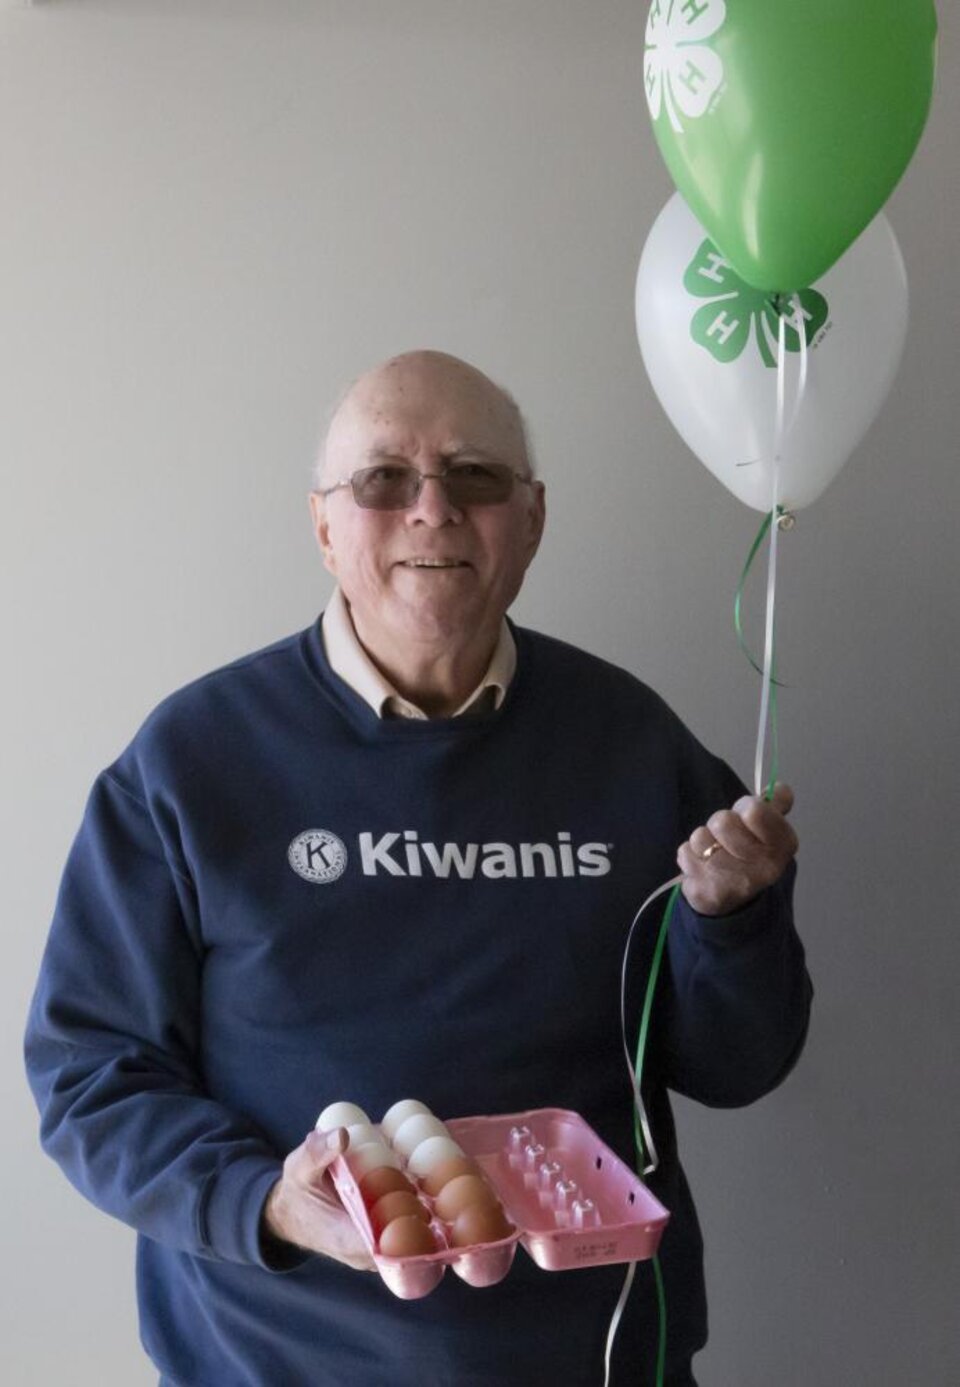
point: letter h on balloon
(652, 78)
(794, 313)
(722, 327)
(692, 77)
(713, 270)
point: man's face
(433, 574)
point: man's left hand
(738, 853)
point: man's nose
(432, 506)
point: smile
(434, 563)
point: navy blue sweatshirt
(277, 899)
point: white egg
(340, 1115)
(429, 1152)
(360, 1132)
(398, 1114)
(370, 1155)
(416, 1129)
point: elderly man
(397, 854)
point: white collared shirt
(351, 662)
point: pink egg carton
(573, 1203)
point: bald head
(418, 388)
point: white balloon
(710, 342)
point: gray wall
(216, 213)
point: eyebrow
(472, 450)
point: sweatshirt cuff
(764, 912)
(232, 1215)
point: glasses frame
(422, 477)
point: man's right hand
(303, 1208)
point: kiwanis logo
(317, 855)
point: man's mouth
(434, 563)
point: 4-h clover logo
(723, 325)
(678, 70)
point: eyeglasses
(395, 486)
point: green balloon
(786, 124)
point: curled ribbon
(643, 1137)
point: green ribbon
(643, 1035)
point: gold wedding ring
(707, 853)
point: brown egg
(383, 1180)
(480, 1223)
(445, 1171)
(462, 1191)
(396, 1204)
(408, 1236)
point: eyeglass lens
(391, 487)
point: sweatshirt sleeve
(737, 1004)
(112, 1045)
(735, 1001)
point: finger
(323, 1149)
(703, 844)
(711, 888)
(309, 1162)
(767, 824)
(730, 831)
(782, 799)
(718, 863)
(689, 861)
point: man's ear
(537, 517)
(321, 530)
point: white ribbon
(615, 1322)
(780, 432)
(652, 1161)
